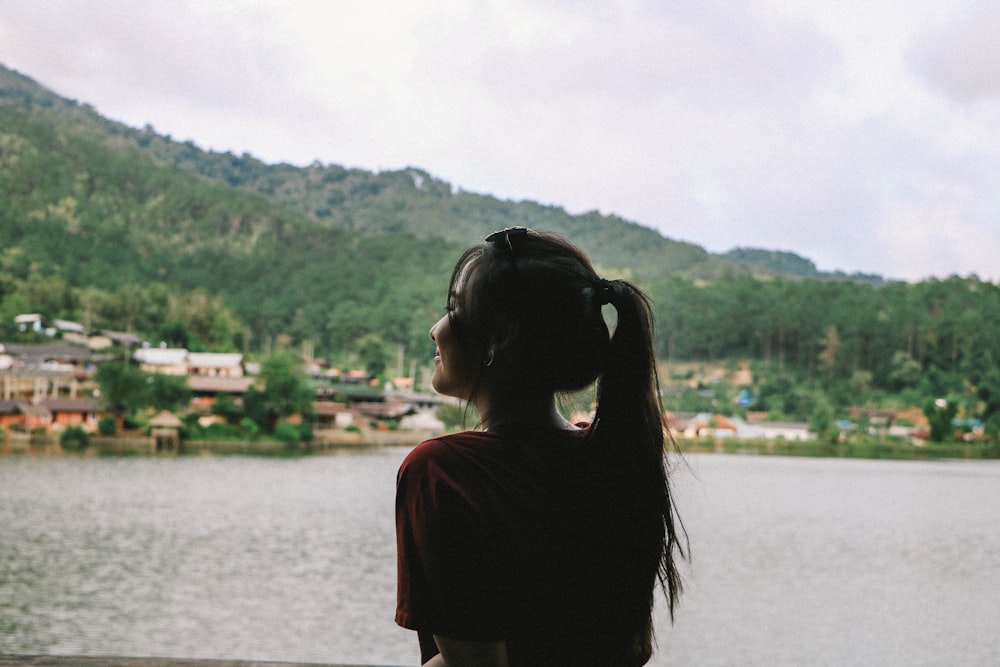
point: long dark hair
(529, 305)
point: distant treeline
(946, 332)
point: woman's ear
(502, 342)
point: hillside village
(49, 385)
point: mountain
(407, 201)
(122, 227)
(789, 265)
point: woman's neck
(497, 410)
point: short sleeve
(446, 578)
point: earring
(489, 362)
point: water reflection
(797, 561)
(228, 558)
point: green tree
(988, 392)
(940, 414)
(822, 420)
(124, 388)
(167, 392)
(906, 371)
(50, 295)
(286, 392)
(371, 349)
(830, 348)
(175, 333)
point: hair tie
(606, 289)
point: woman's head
(525, 311)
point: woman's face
(455, 369)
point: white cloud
(931, 240)
(851, 133)
(961, 58)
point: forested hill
(790, 265)
(93, 229)
(408, 201)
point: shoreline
(16, 444)
(876, 449)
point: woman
(535, 541)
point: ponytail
(629, 419)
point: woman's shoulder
(488, 448)
(453, 446)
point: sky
(864, 136)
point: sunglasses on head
(508, 234)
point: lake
(797, 561)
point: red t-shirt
(525, 537)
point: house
(422, 420)
(34, 384)
(162, 360)
(178, 361)
(757, 429)
(701, 425)
(72, 332)
(785, 431)
(71, 412)
(384, 410)
(10, 413)
(419, 400)
(333, 414)
(68, 326)
(165, 432)
(23, 416)
(330, 414)
(215, 364)
(712, 426)
(400, 384)
(115, 338)
(47, 355)
(876, 418)
(29, 322)
(677, 422)
(205, 389)
(207, 374)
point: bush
(250, 427)
(74, 439)
(287, 433)
(306, 432)
(225, 407)
(223, 431)
(132, 422)
(107, 426)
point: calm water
(797, 561)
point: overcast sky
(862, 135)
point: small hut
(165, 433)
